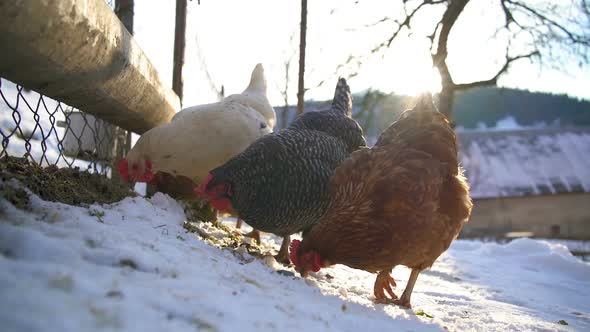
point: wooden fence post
(179, 45)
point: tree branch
(507, 15)
(374, 24)
(449, 18)
(494, 80)
(439, 59)
(432, 36)
(406, 23)
(552, 23)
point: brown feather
(400, 203)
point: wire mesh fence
(49, 132)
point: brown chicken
(401, 202)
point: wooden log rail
(78, 52)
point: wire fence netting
(49, 132)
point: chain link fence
(48, 132)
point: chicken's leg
(216, 221)
(404, 301)
(383, 282)
(283, 255)
(255, 235)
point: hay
(66, 185)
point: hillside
(473, 109)
(488, 105)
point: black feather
(342, 101)
(280, 183)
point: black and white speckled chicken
(280, 183)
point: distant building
(528, 182)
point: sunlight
(406, 73)
(417, 81)
(228, 55)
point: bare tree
(220, 92)
(302, 37)
(547, 31)
(289, 56)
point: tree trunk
(445, 102)
(302, 36)
(447, 93)
(285, 93)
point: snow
(131, 266)
(26, 102)
(508, 122)
(531, 162)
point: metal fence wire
(48, 132)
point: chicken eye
(227, 190)
(262, 125)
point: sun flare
(419, 82)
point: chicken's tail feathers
(342, 98)
(427, 113)
(257, 81)
(418, 124)
(425, 103)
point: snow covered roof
(526, 162)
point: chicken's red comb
(293, 247)
(148, 175)
(201, 190)
(124, 169)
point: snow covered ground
(131, 266)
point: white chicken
(177, 155)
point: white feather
(200, 138)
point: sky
(227, 38)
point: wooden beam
(78, 52)
(302, 45)
(179, 45)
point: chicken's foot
(384, 282)
(283, 255)
(404, 301)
